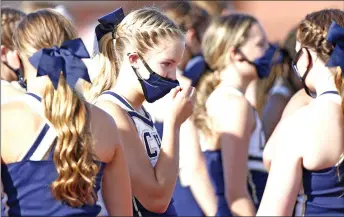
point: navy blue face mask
(264, 63)
(156, 86)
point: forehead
(256, 32)
(170, 48)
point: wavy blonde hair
(143, 29)
(73, 154)
(223, 33)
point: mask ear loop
(136, 72)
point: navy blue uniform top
(322, 192)
(215, 170)
(151, 141)
(26, 184)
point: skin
(116, 182)
(304, 149)
(232, 134)
(299, 100)
(14, 90)
(195, 167)
(9, 56)
(152, 186)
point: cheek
(302, 66)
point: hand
(182, 104)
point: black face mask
(303, 78)
(19, 73)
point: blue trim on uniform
(35, 96)
(120, 99)
(147, 121)
(255, 158)
(146, 113)
(37, 142)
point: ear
(14, 59)
(134, 60)
(4, 51)
(190, 35)
(235, 55)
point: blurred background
(277, 17)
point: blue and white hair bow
(65, 59)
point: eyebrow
(169, 60)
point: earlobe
(15, 59)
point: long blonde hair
(67, 112)
(141, 29)
(223, 33)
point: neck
(325, 85)
(124, 88)
(229, 76)
(37, 85)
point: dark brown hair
(312, 33)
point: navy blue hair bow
(65, 59)
(109, 22)
(335, 36)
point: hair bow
(335, 36)
(109, 22)
(67, 58)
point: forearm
(203, 190)
(242, 206)
(166, 168)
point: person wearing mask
(137, 55)
(230, 130)
(309, 151)
(12, 82)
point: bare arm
(235, 132)
(200, 186)
(299, 100)
(285, 174)
(116, 189)
(152, 186)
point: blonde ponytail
(207, 84)
(65, 109)
(106, 61)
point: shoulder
(299, 100)
(230, 111)
(9, 92)
(104, 132)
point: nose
(172, 74)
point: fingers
(174, 92)
(192, 95)
(186, 91)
